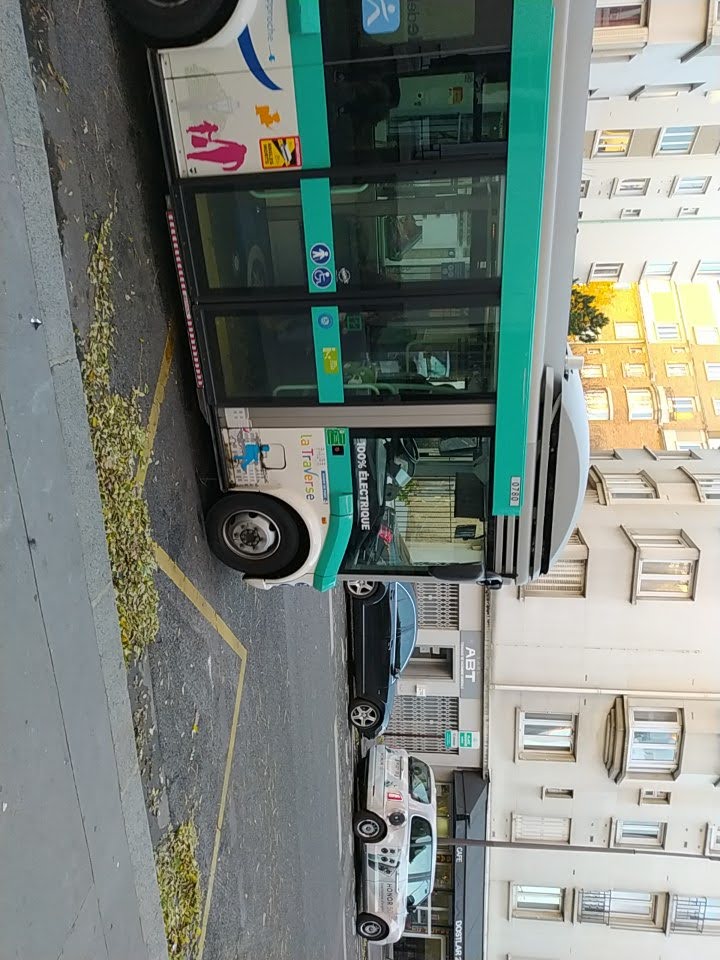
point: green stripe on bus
(337, 445)
(309, 81)
(328, 354)
(318, 229)
(529, 100)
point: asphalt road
(281, 866)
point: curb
(35, 188)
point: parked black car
(383, 632)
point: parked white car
(396, 824)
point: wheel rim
(364, 716)
(368, 829)
(360, 588)
(372, 929)
(252, 535)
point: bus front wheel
(175, 23)
(257, 534)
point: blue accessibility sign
(325, 320)
(322, 277)
(319, 253)
(380, 16)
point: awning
(470, 820)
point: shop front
(450, 925)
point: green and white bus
(373, 207)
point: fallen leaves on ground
(118, 439)
(179, 881)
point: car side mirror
(410, 904)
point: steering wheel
(410, 448)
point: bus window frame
(206, 315)
(346, 175)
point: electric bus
(372, 208)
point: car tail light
(395, 796)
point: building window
(640, 404)
(659, 268)
(634, 370)
(690, 186)
(630, 213)
(612, 143)
(593, 370)
(682, 408)
(546, 736)
(663, 90)
(712, 840)
(597, 402)
(676, 140)
(666, 564)
(706, 484)
(676, 369)
(538, 903)
(557, 793)
(625, 330)
(667, 331)
(606, 271)
(539, 829)
(630, 187)
(707, 335)
(655, 739)
(684, 212)
(623, 909)
(620, 15)
(708, 268)
(438, 605)
(669, 454)
(584, 184)
(712, 370)
(695, 915)
(650, 795)
(639, 833)
(617, 487)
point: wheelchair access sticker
(280, 153)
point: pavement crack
(72, 925)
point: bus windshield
(421, 499)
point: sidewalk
(77, 875)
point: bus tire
(258, 535)
(175, 23)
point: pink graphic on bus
(228, 153)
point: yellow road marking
(205, 609)
(157, 400)
(189, 590)
(221, 812)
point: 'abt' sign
(471, 664)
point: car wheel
(258, 535)
(372, 927)
(362, 589)
(369, 827)
(175, 23)
(365, 716)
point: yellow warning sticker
(330, 360)
(280, 153)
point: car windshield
(421, 861)
(420, 781)
(406, 626)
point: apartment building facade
(653, 377)
(605, 727)
(650, 191)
